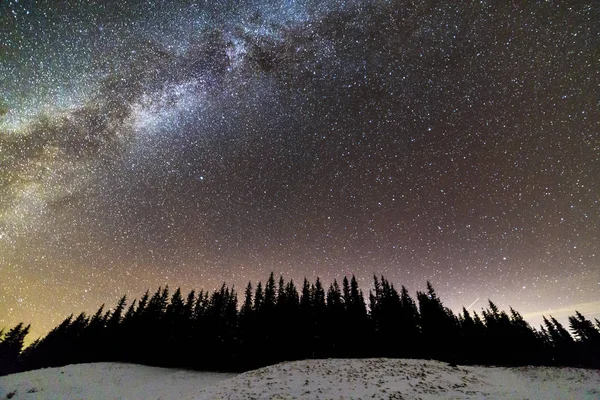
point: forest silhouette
(277, 322)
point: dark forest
(278, 322)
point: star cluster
(193, 143)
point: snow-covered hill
(312, 379)
(107, 381)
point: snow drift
(310, 379)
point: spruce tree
(564, 334)
(291, 294)
(305, 298)
(247, 306)
(115, 317)
(318, 308)
(198, 336)
(318, 297)
(588, 340)
(10, 349)
(346, 292)
(94, 335)
(584, 329)
(438, 325)
(142, 303)
(129, 314)
(270, 295)
(281, 295)
(188, 309)
(201, 306)
(562, 342)
(114, 345)
(246, 331)
(259, 297)
(359, 328)
(334, 322)
(307, 327)
(408, 320)
(357, 300)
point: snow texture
(311, 379)
(107, 381)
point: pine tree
(346, 292)
(386, 313)
(584, 329)
(357, 300)
(358, 327)
(198, 333)
(562, 342)
(319, 307)
(157, 303)
(545, 337)
(27, 355)
(318, 297)
(291, 294)
(129, 314)
(247, 329)
(114, 346)
(305, 298)
(176, 307)
(259, 297)
(10, 348)
(281, 299)
(588, 340)
(553, 334)
(408, 321)
(115, 317)
(334, 322)
(270, 297)
(188, 309)
(201, 306)
(151, 327)
(74, 340)
(142, 303)
(438, 325)
(221, 322)
(334, 297)
(247, 306)
(174, 330)
(50, 351)
(94, 335)
(231, 319)
(306, 330)
(564, 334)
(525, 346)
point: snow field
(310, 379)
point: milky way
(190, 143)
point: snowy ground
(107, 381)
(313, 379)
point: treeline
(278, 322)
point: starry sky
(192, 143)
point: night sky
(193, 143)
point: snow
(108, 381)
(310, 379)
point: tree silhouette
(588, 346)
(11, 345)
(277, 323)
